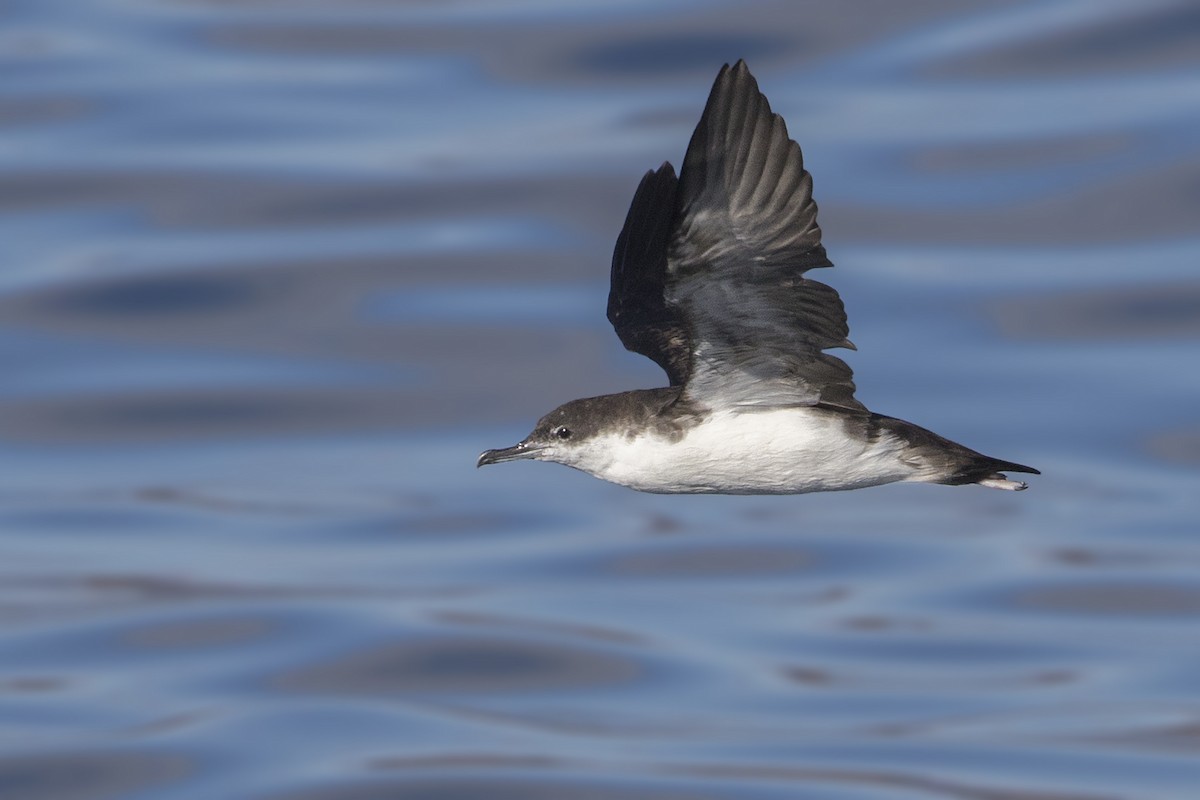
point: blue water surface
(275, 272)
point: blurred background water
(273, 273)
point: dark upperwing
(707, 276)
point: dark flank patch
(949, 462)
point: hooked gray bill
(517, 452)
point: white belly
(778, 451)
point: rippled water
(274, 273)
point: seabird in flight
(708, 281)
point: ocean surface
(273, 273)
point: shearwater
(708, 282)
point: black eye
(562, 432)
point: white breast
(777, 451)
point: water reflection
(74, 776)
(200, 633)
(713, 562)
(674, 52)
(1160, 36)
(1121, 314)
(463, 664)
(1179, 447)
(1112, 599)
(276, 272)
(492, 786)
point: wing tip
(732, 81)
(741, 74)
(665, 170)
(742, 158)
(738, 67)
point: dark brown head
(576, 433)
(559, 436)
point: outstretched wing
(745, 233)
(637, 307)
(720, 300)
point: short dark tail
(943, 461)
(989, 472)
(1008, 466)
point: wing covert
(708, 271)
(745, 233)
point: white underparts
(772, 451)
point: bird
(709, 281)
